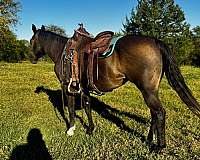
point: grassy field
(121, 119)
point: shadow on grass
(34, 149)
(55, 97)
(104, 110)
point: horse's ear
(43, 28)
(34, 29)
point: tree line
(162, 19)
(12, 49)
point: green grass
(120, 125)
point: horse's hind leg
(158, 118)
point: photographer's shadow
(34, 149)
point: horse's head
(37, 49)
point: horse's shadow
(104, 110)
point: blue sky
(97, 15)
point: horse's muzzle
(34, 61)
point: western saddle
(93, 47)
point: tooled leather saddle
(94, 48)
(99, 45)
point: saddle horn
(81, 25)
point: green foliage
(11, 49)
(56, 29)
(8, 12)
(23, 49)
(196, 52)
(7, 45)
(118, 130)
(160, 19)
(118, 34)
(183, 46)
(163, 20)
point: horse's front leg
(87, 106)
(71, 110)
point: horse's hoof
(157, 148)
(71, 130)
(89, 130)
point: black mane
(52, 35)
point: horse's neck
(54, 49)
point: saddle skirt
(108, 52)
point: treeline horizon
(161, 19)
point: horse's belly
(109, 80)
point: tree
(11, 49)
(164, 20)
(23, 49)
(195, 55)
(7, 44)
(8, 12)
(56, 29)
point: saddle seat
(95, 48)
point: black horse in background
(140, 60)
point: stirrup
(73, 92)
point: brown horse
(142, 61)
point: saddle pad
(111, 48)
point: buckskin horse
(138, 59)
(142, 61)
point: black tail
(176, 80)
